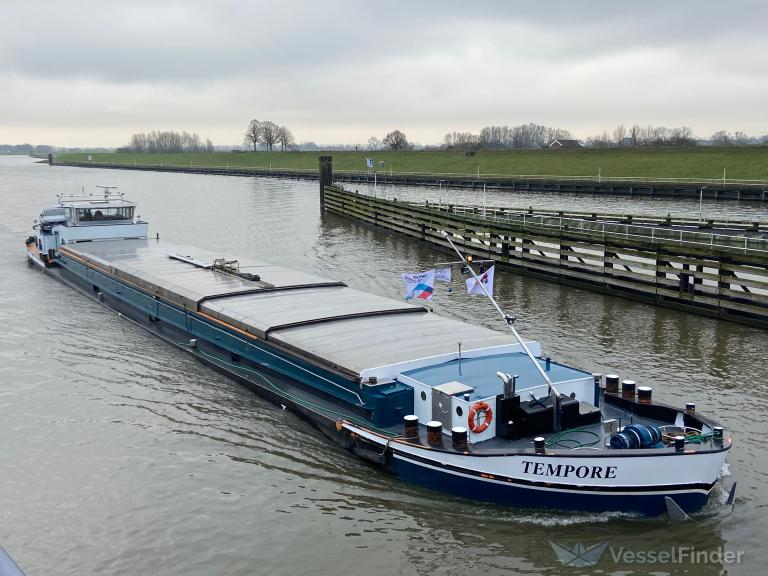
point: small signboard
(369, 161)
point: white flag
(419, 285)
(486, 278)
(443, 274)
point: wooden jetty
(681, 264)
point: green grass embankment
(740, 163)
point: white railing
(591, 178)
(606, 229)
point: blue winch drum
(637, 436)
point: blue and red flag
(420, 285)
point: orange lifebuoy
(472, 423)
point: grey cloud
(336, 70)
(194, 41)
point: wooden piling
(326, 176)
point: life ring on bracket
(477, 408)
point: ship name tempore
(568, 470)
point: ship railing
(100, 196)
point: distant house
(564, 144)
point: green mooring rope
(560, 437)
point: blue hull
(510, 495)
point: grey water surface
(121, 455)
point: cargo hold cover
(317, 318)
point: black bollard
(611, 384)
(644, 394)
(459, 438)
(435, 433)
(411, 422)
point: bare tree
(600, 141)
(138, 143)
(462, 140)
(284, 138)
(396, 140)
(374, 144)
(253, 134)
(721, 138)
(741, 138)
(645, 135)
(619, 133)
(682, 136)
(269, 132)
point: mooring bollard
(459, 438)
(644, 394)
(435, 433)
(411, 425)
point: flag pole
(460, 262)
(508, 320)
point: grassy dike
(740, 163)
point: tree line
(650, 136)
(638, 136)
(268, 134)
(167, 141)
(723, 138)
(25, 149)
(532, 136)
(501, 137)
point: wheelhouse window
(104, 214)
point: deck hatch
(345, 317)
(272, 289)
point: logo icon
(579, 555)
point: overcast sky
(92, 73)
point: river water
(122, 456)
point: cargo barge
(438, 402)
